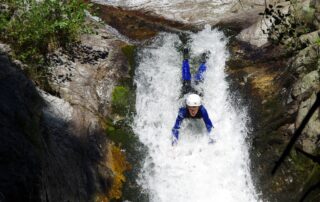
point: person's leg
(199, 76)
(186, 77)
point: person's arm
(208, 123)
(206, 119)
(177, 125)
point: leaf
(291, 33)
(277, 21)
(267, 11)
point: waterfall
(193, 170)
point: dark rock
(45, 156)
(20, 138)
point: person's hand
(174, 141)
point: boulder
(312, 129)
(310, 38)
(254, 34)
(307, 84)
(306, 60)
(85, 75)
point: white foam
(192, 171)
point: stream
(193, 170)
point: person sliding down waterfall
(193, 109)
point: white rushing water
(193, 170)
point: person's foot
(184, 38)
(205, 56)
(186, 54)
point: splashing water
(193, 170)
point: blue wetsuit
(184, 113)
(186, 77)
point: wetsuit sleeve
(199, 75)
(186, 75)
(181, 115)
(206, 119)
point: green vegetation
(120, 99)
(129, 51)
(34, 28)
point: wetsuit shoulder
(206, 118)
(182, 112)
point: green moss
(121, 134)
(307, 172)
(120, 100)
(129, 51)
(119, 129)
(300, 162)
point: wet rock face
(74, 167)
(83, 77)
(278, 111)
(20, 140)
(85, 74)
(279, 91)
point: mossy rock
(129, 51)
(120, 100)
(308, 14)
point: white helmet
(193, 100)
